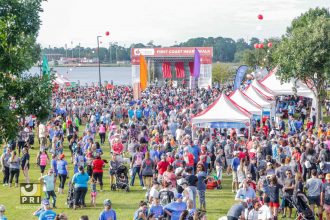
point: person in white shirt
(264, 212)
(154, 193)
(253, 214)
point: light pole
(98, 57)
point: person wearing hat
(325, 195)
(2, 212)
(174, 209)
(108, 212)
(45, 212)
(62, 169)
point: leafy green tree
(20, 94)
(305, 50)
(222, 72)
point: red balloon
(270, 44)
(107, 33)
(256, 46)
(260, 17)
(261, 46)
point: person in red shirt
(162, 167)
(265, 129)
(309, 125)
(98, 165)
(188, 158)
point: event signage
(206, 53)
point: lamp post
(98, 57)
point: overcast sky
(165, 21)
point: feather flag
(45, 66)
(197, 64)
(143, 73)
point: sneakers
(144, 188)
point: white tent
(273, 83)
(263, 89)
(223, 113)
(245, 102)
(257, 96)
(61, 80)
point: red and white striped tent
(223, 113)
(247, 103)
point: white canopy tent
(223, 113)
(273, 83)
(61, 80)
(246, 102)
(265, 91)
(257, 96)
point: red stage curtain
(191, 68)
(179, 69)
(166, 67)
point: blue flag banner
(240, 73)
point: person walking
(62, 169)
(5, 165)
(314, 188)
(98, 165)
(42, 160)
(147, 170)
(49, 186)
(102, 131)
(80, 181)
(14, 167)
(25, 164)
(136, 166)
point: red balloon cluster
(261, 46)
(260, 17)
(107, 33)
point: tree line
(224, 49)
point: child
(93, 192)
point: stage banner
(179, 69)
(240, 73)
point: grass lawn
(125, 204)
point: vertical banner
(240, 73)
(143, 73)
(197, 64)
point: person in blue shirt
(108, 212)
(80, 181)
(138, 113)
(194, 149)
(174, 209)
(2, 212)
(131, 113)
(142, 212)
(45, 213)
(234, 165)
(156, 209)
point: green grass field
(125, 204)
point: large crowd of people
(154, 139)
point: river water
(119, 75)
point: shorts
(314, 200)
(42, 168)
(326, 208)
(228, 161)
(274, 204)
(235, 179)
(93, 194)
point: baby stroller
(300, 202)
(70, 197)
(121, 179)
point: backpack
(165, 197)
